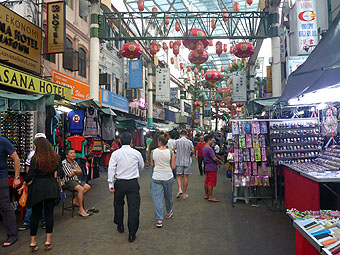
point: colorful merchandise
(75, 121)
(247, 127)
(246, 155)
(235, 129)
(258, 154)
(249, 142)
(76, 142)
(263, 154)
(254, 168)
(262, 141)
(242, 128)
(91, 128)
(263, 127)
(242, 143)
(255, 128)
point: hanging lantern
(158, 47)
(236, 7)
(198, 59)
(235, 62)
(249, 2)
(181, 65)
(141, 5)
(166, 21)
(225, 47)
(131, 50)
(153, 48)
(165, 46)
(200, 47)
(171, 44)
(213, 23)
(219, 48)
(230, 66)
(202, 72)
(188, 69)
(213, 103)
(206, 104)
(177, 26)
(195, 70)
(222, 68)
(225, 16)
(244, 50)
(176, 48)
(211, 43)
(172, 60)
(197, 77)
(232, 50)
(213, 76)
(192, 44)
(154, 10)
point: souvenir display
(295, 141)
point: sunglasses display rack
(295, 141)
(18, 127)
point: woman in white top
(163, 160)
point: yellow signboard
(20, 41)
(55, 27)
(14, 78)
(269, 80)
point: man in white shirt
(123, 172)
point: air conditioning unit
(104, 79)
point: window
(117, 86)
(69, 3)
(67, 56)
(49, 57)
(82, 62)
(84, 9)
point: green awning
(108, 111)
(256, 106)
(10, 95)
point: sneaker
(169, 215)
(23, 227)
(159, 224)
(179, 194)
(185, 196)
(43, 225)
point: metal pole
(94, 50)
(150, 95)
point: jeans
(28, 214)
(160, 190)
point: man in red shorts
(211, 165)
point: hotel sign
(20, 41)
(55, 27)
(16, 79)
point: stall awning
(5, 94)
(320, 70)
(256, 106)
(108, 111)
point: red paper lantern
(141, 5)
(177, 26)
(195, 32)
(188, 69)
(225, 47)
(249, 2)
(200, 47)
(232, 50)
(244, 50)
(153, 48)
(230, 66)
(213, 76)
(196, 58)
(235, 62)
(219, 49)
(172, 60)
(154, 9)
(206, 104)
(222, 68)
(236, 7)
(176, 48)
(197, 77)
(131, 50)
(202, 72)
(181, 65)
(225, 16)
(211, 43)
(179, 42)
(213, 23)
(166, 21)
(165, 46)
(195, 70)
(171, 44)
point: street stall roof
(256, 106)
(320, 70)
(10, 95)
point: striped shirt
(183, 152)
(68, 168)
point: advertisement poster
(239, 86)
(163, 85)
(174, 101)
(294, 62)
(135, 74)
(307, 26)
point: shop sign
(162, 85)
(174, 101)
(114, 101)
(269, 80)
(142, 103)
(55, 27)
(80, 90)
(135, 74)
(20, 41)
(187, 107)
(282, 43)
(294, 63)
(158, 113)
(16, 79)
(207, 111)
(239, 86)
(307, 26)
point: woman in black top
(43, 189)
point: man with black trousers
(123, 172)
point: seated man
(71, 182)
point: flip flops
(10, 240)
(214, 200)
(93, 210)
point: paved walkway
(197, 227)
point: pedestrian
(184, 149)
(6, 209)
(116, 144)
(211, 165)
(153, 145)
(43, 189)
(199, 155)
(123, 172)
(163, 160)
(148, 142)
(170, 145)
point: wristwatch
(17, 177)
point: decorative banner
(80, 90)
(162, 85)
(207, 111)
(16, 79)
(20, 41)
(174, 101)
(158, 113)
(239, 86)
(114, 101)
(187, 107)
(269, 80)
(282, 43)
(135, 74)
(307, 26)
(55, 27)
(294, 62)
